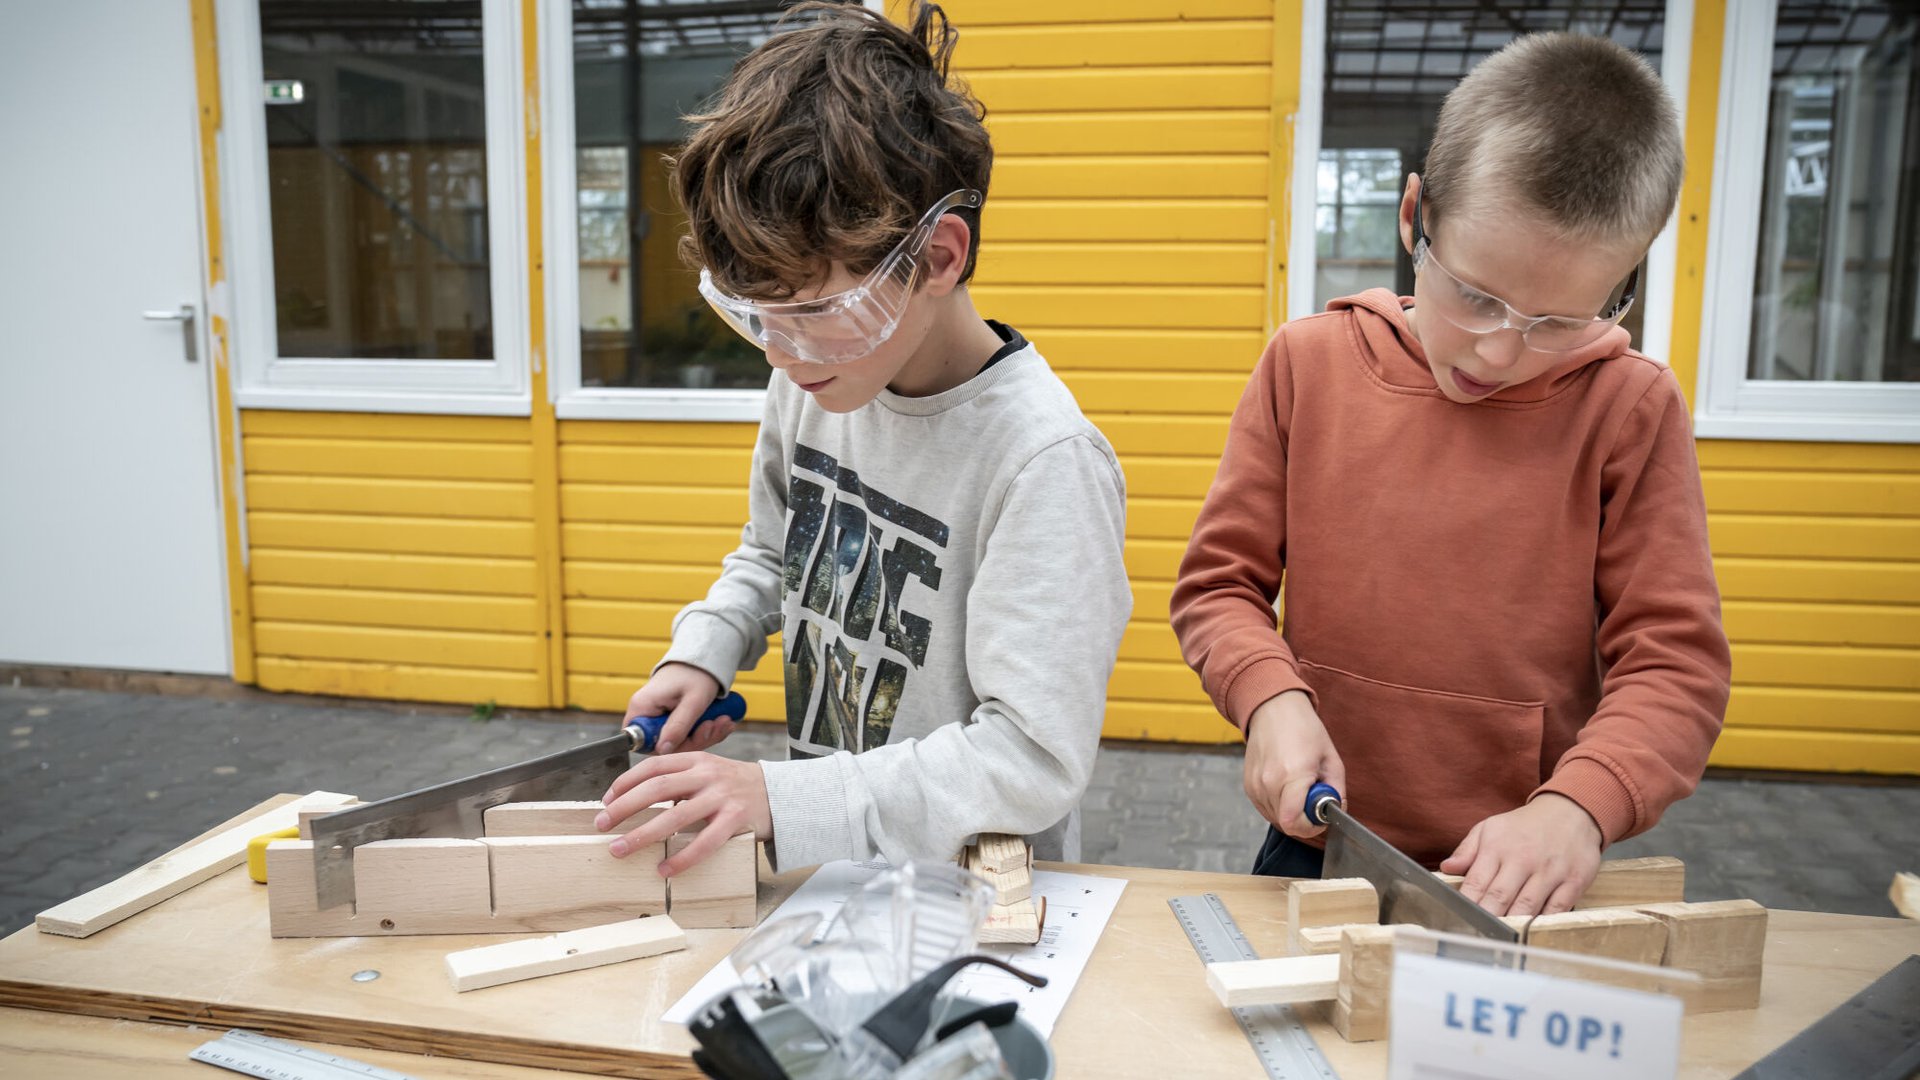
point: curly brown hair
(828, 143)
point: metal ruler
(257, 1055)
(1280, 1038)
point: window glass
(1835, 283)
(377, 175)
(637, 69)
(1388, 68)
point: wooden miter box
(1632, 912)
(1006, 863)
(540, 867)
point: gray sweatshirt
(947, 576)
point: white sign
(1466, 1021)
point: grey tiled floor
(94, 783)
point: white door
(110, 541)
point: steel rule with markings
(1280, 1038)
(276, 1059)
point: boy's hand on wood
(1536, 860)
(720, 797)
(1287, 750)
(681, 692)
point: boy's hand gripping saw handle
(645, 730)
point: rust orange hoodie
(1485, 601)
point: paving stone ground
(94, 783)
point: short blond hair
(1577, 130)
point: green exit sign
(285, 92)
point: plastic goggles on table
(846, 325)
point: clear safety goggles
(849, 324)
(1479, 312)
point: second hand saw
(458, 808)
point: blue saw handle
(645, 730)
(1318, 796)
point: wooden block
(1000, 852)
(1366, 983)
(1657, 879)
(559, 819)
(1010, 886)
(1019, 924)
(1333, 902)
(594, 946)
(1319, 940)
(1905, 894)
(174, 873)
(423, 876)
(1724, 941)
(1285, 981)
(1613, 932)
(723, 891)
(307, 816)
(548, 875)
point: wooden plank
(1850, 493)
(1817, 751)
(1724, 941)
(1106, 44)
(411, 535)
(1213, 86)
(1329, 902)
(1154, 307)
(1184, 131)
(423, 876)
(372, 495)
(1820, 624)
(690, 545)
(1010, 886)
(1905, 894)
(174, 873)
(575, 950)
(559, 819)
(1818, 580)
(1147, 393)
(1020, 924)
(305, 828)
(1051, 262)
(986, 13)
(1840, 667)
(1615, 933)
(1366, 983)
(419, 459)
(1729, 454)
(574, 875)
(1656, 879)
(1788, 536)
(1286, 981)
(722, 890)
(365, 425)
(1224, 352)
(655, 503)
(403, 682)
(1104, 218)
(1002, 852)
(373, 570)
(658, 433)
(410, 610)
(398, 645)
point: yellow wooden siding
(1817, 546)
(393, 556)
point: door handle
(185, 317)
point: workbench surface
(1141, 1009)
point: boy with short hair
(934, 527)
(1473, 493)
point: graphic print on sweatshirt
(851, 555)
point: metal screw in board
(365, 976)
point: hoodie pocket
(1425, 766)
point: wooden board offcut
(175, 872)
(575, 950)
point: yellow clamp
(257, 852)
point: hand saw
(458, 808)
(1409, 892)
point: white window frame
(572, 400)
(1656, 324)
(1729, 405)
(500, 386)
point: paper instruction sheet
(1078, 908)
